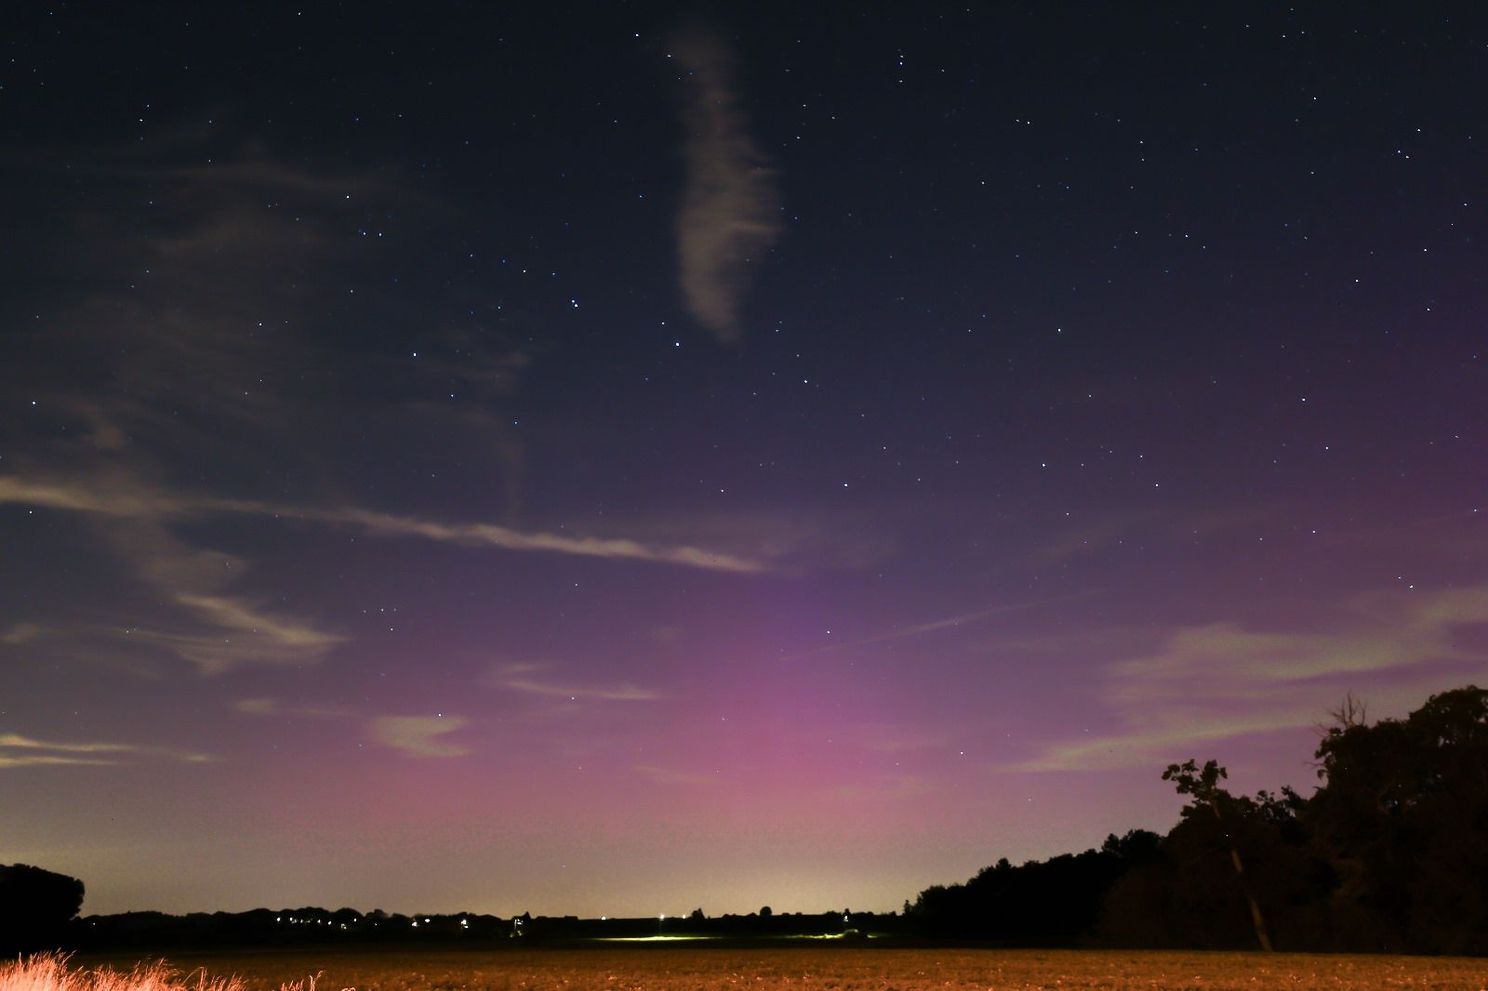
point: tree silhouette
(1042, 902)
(35, 907)
(1403, 821)
(1203, 785)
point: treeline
(314, 925)
(1389, 854)
(292, 926)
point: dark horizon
(1386, 855)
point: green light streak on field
(653, 939)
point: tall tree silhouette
(1203, 785)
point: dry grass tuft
(50, 972)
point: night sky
(620, 459)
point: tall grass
(50, 972)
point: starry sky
(626, 458)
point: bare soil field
(721, 968)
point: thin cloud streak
(672, 776)
(524, 678)
(152, 503)
(50, 760)
(492, 535)
(950, 622)
(729, 207)
(17, 750)
(273, 707)
(17, 742)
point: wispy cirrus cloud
(199, 296)
(730, 203)
(1216, 681)
(17, 750)
(252, 636)
(1103, 531)
(209, 627)
(536, 679)
(138, 348)
(154, 503)
(950, 622)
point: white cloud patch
(416, 736)
(419, 736)
(20, 633)
(728, 214)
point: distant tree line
(346, 926)
(1389, 854)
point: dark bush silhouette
(35, 908)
